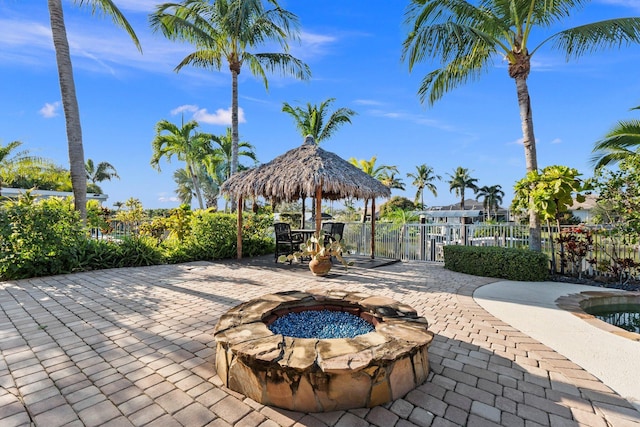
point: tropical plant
(423, 178)
(620, 143)
(491, 198)
(313, 120)
(316, 247)
(103, 171)
(549, 192)
(188, 145)
(221, 156)
(68, 89)
(460, 181)
(468, 37)
(13, 163)
(389, 179)
(229, 30)
(369, 167)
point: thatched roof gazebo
(307, 170)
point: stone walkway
(135, 347)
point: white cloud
(183, 108)
(164, 198)
(50, 110)
(519, 141)
(220, 117)
(556, 141)
(367, 102)
(312, 45)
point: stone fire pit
(316, 375)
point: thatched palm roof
(299, 172)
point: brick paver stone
(134, 346)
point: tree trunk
(529, 143)
(234, 124)
(196, 185)
(364, 214)
(70, 107)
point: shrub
(491, 261)
(39, 238)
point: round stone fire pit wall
(318, 375)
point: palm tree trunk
(196, 185)
(234, 122)
(529, 142)
(364, 214)
(70, 107)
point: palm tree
(492, 197)
(222, 154)
(466, 38)
(461, 180)
(191, 148)
(389, 179)
(369, 167)
(103, 172)
(68, 90)
(620, 143)
(423, 178)
(15, 164)
(227, 30)
(312, 120)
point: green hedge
(491, 261)
(41, 238)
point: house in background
(584, 210)
(13, 193)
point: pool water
(321, 324)
(625, 316)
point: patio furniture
(332, 231)
(286, 240)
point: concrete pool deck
(532, 308)
(135, 347)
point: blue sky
(353, 48)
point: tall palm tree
(228, 30)
(369, 167)
(102, 172)
(620, 143)
(68, 89)
(468, 37)
(188, 145)
(423, 178)
(491, 197)
(313, 120)
(460, 181)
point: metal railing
(424, 242)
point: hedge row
(491, 261)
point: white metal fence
(424, 242)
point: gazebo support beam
(239, 242)
(373, 227)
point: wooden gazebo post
(239, 241)
(373, 227)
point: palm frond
(597, 36)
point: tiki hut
(307, 170)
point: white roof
(14, 192)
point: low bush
(491, 261)
(39, 238)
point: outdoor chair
(286, 241)
(332, 231)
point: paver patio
(135, 346)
